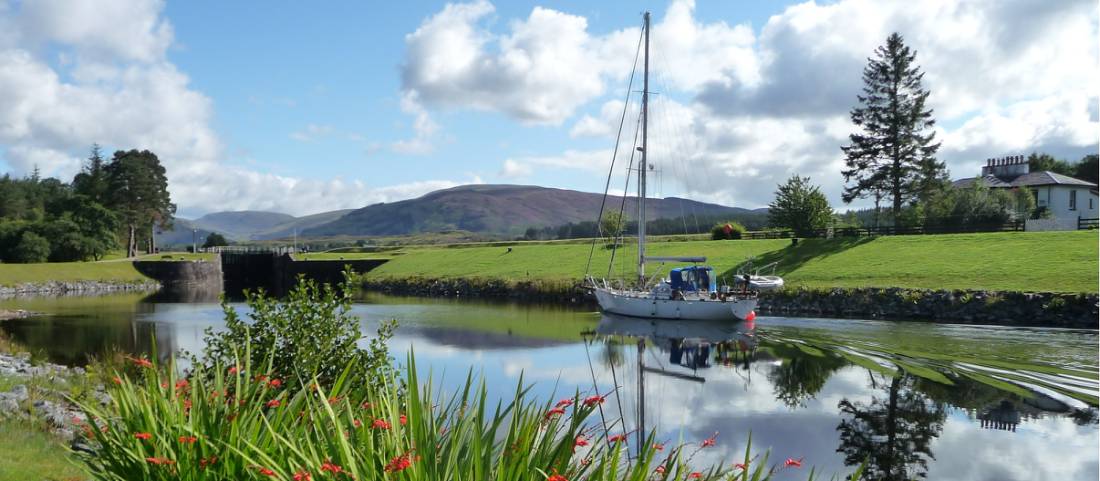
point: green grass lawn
(27, 453)
(332, 256)
(115, 271)
(1039, 261)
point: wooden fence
(887, 230)
(1087, 224)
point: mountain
(242, 224)
(497, 209)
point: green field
(1040, 261)
(111, 271)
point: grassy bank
(1040, 261)
(26, 452)
(112, 271)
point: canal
(951, 402)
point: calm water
(953, 402)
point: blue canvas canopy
(693, 278)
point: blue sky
(302, 108)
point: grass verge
(28, 453)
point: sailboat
(690, 292)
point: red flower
(188, 439)
(261, 377)
(265, 471)
(141, 362)
(357, 423)
(660, 469)
(557, 477)
(274, 403)
(117, 380)
(181, 384)
(399, 463)
(275, 383)
(593, 400)
(795, 463)
(616, 438)
(302, 476)
(332, 468)
(143, 436)
(159, 461)
(710, 441)
(579, 442)
(186, 405)
(365, 405)
(658, 446)
(741, 466)
(402, 419)
(233, 371)
(695, 475)
(380, 424)
(204, 462)
(564, 403)
(554, 412)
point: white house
(1066, 198)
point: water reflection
(947, 402)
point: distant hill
(243, 226)
(497, 209)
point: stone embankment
(967, 307)
(38, 393)
(75, 288)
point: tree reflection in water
(894, 433)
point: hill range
(502, 210)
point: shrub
(727, 230)
(311, 334)
(31, 248)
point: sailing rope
(596, 388)
(614, 154)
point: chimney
(1006, 168)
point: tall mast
(645, 162)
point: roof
(1045, 177)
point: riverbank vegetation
(46, 219)
(1010, 261)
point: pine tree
(892, 154)
(800, 206)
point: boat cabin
(693, 279)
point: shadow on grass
(792, 257)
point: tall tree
(92, 180)
(895, 150)
(1087, 168)
(139, 194)
(799, 206)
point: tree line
(110, 204)
(891, 160)
(615, 225)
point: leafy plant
(309, 336)
(727, 230)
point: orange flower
(564, 403)
(365, 405)
(188, 439)
(143, 436)
(403, 420)
(141, 362)
(795, 463)
(275, 383)
(265, 471)
(579, 442)
(274, 403)
(187, 405)
(357, 423)
(302, 476)
(159, 461)
(695, 475)
(741, 466)
(182, 384)
(616, 438)
(554, 412)
(380, 424)
(117, 380)
(204, 462)
(658, 447)
(557, 477)
(399, 463)
(593, 400)
(234, 370)
(710, 441)
(332, 468)
(660, 469)
(261, 377)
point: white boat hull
(634, 304)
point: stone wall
(182, 272)
(74, 288)
(967, 307)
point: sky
(304, 107)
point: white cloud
(113, 85)
(515, 170)
(423, 125)
(592, 161)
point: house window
(1073, 200)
